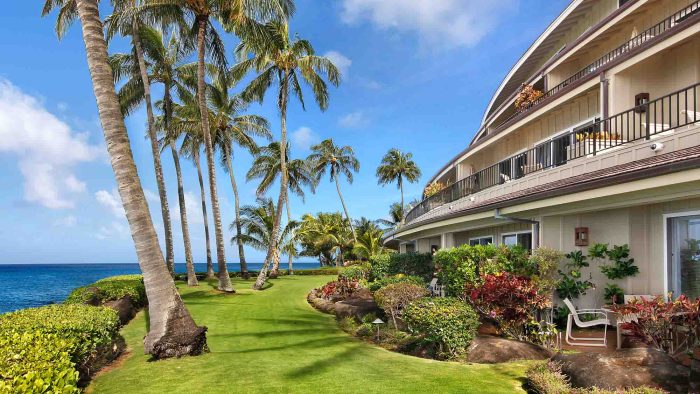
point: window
(684, 255)
(410, 248)
(480, 241)
(523, 239)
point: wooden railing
(678, 109)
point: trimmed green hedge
(355, 272)
(392, 280)
(317, 271)
(110, 289)
(41, 347)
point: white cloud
(193, 205)
(151, 196)
(353, 120)
(442, 23)
(112, 201)
(114, 230)
(47, 148)
(341, 61)
(303, 138)
(68, 221)
(370, 84)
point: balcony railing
(637, 41)
(678, 109)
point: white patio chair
(435, 288)
(630, 318)
(574, 318)
(692, 116)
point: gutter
(535, 226)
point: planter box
(588, 147)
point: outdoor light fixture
(377, 323)
(581, 236)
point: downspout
(535, 226)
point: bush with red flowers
(670, 326)
(509, 300)
(339, 290)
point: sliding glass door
(684, 255)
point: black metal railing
(628, 46)
(645, 121)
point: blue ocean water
(31, 285)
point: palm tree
(336, 160)
(277, 59)
(128, 22)
(238, 14)
(257, 222)
(325, 235)
(369, 243)
(396, 215)
(395, 167)
(231, 128)
(171, 330)
(266, 166)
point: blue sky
(418, 75)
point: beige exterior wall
(463, 237)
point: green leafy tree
(325, 236)
(282, 61)
(397, 166)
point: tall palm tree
(266, 167)
(280, 60)
(235, 14)
(171, 331)
(257, 222)
(127, 21)
(396, 215)
(369, 244)
(336, 160)
(395, 167)
(325, 235)
(231, 128)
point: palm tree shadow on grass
(320, 366)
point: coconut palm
(369, 243)
(171, 329)
(266, 167)
(337, 161)
(230, 128)
(279, 60)
(395, 167)
(396, 215)
(325, 235)
(257, 222)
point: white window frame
(516, 233)
(480, 238)
(562, 132)
(667, 216)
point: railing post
(648, 126)
(595, 143)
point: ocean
(31, 285)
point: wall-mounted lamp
(581, 236)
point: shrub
(570, 284)
(546, 377)
(318, 271)
(85, 327)
(544, 264)
(355, 272)
(414, 264)
(457, 266)
(339, 290)
(36, 362)
(447, 322)
(379, 266)
(393, 298)
(508, 299)
(110, 289)
(390, 280)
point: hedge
(110, 289)
(41, 348)
(391, 280)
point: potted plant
(528, 95)
(586, 143)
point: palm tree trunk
(239, 231)
(291, 256)
(403, 205)
(203, 194)
(172, 331)
(347, 215)
(224, 279)
(155, 151)
(272, 248)
(191, 275)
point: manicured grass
(273, 341)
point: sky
(417, 76)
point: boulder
(125, 308)
(361, 303)
(625, 368)
(319, 303)
(491, 350)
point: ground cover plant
(110, 289)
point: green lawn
(273, 341)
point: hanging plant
(433, 189)
(527, 96)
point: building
(606, 148)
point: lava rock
(491, 350)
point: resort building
(593, 136)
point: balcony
(648, 121)
(640, 41)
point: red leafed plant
(339, 290)
(670, 326)
(509, 300)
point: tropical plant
(266, 167)
(325, 236)
(394, 298)
(339, 290)
(395, 167)
(167, 313)
(369, 243)
(336, 160)
(397, 213)
(527, 96)
(230, 128)
(276, 58)
(571, 285)
(433, 188)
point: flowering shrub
(509, 300)
(433, 189)
(447, 322)
(339, 290)
(527, 96)
(394, 298)
(658, 322)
